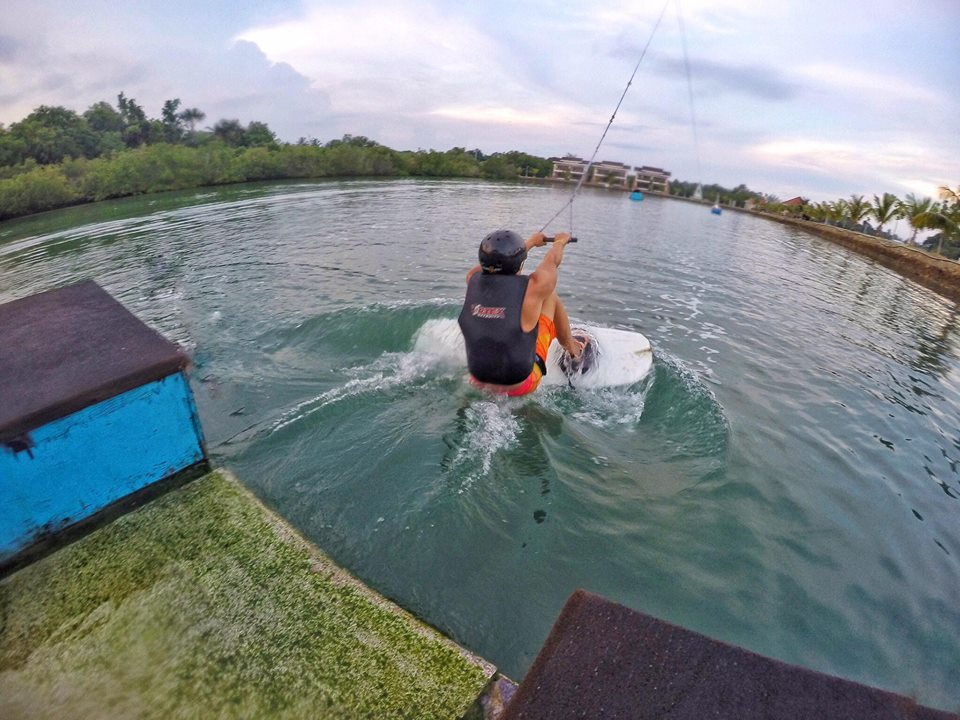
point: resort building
(651, 179)
(611, 174)
(568, 168)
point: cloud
(712, 77)
(877, 87)
(73, 67)
(385, 57)
(8, 48)
(889, 166)
(388, 66)
(241, 82)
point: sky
(821, 98)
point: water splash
(388, 372)
(485, 428)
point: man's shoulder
(541, 282)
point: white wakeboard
(613, 357)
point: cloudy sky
(822, 98)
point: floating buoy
(636, 195)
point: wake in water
(434, 355)
(415, 388)
(484, 429)
(388, 372)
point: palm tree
(950, 196)
(857, 209)
(884, 209)
(836, 211)
(938, 219)
(944, 217)
(230, 131)
(914, 210)
(191, 116)
(819, 211)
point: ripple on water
(786, 478)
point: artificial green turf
(203, 604)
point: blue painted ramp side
(81, 463)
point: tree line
(57, 157)
(50, 135)
(871, 216)
(856, 213)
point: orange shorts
(546, 333)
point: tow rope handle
(551, 239)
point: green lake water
(785, 479)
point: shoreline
(934, 272)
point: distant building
(612, 174)
(568, 168)
(797, 201)
(651, 179)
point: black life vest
(498, 350)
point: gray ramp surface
(604, 660)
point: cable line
(693, 115)
(593, 157)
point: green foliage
(945, 217)
(261, 163)
(160, 167)
(41, 188)
(255, 134)
(50, 134)
(137, 129)
(258, 134)
(738, 196)
(354, 140)
(230, 132)
(884, 209)
(914, 209)
(304, 161)
(523, 164)
(153, 168)
(12, 148)
(171, 122)
(191, 116)
(102, 118)
(857, 208)
(456, 162)
(499, 167)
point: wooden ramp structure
(604, 661)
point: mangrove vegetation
(57, 157)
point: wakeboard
(611, 358)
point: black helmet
(502, 251)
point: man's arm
(543, 280)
